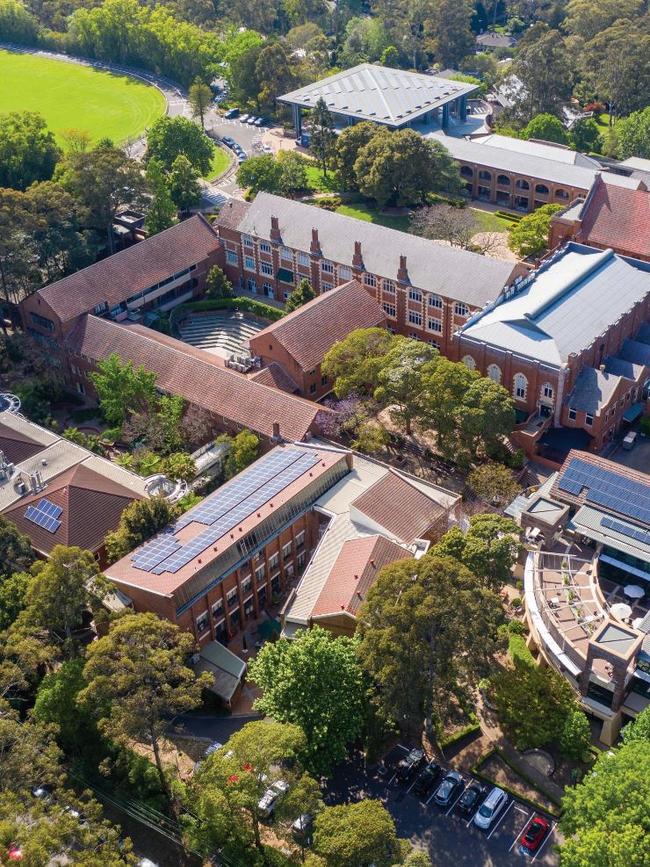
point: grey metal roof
(623, 367)
(636, 352)
(388, 96)
(588, 522)
(557, 153)
(448, 271)
(561, 308)
(593, 389)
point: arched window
(485, 175)
(522, 185)
(435, 301)
(547, 391)
(468, 361)
(542, 188)
(461, 309)
(520, 386)
(504, 180)
(561, 194)
(467, 171)
(494, 372)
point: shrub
(644, 427)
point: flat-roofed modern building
(390, 97)
(572, 344)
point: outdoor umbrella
(633, 591)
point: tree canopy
(244, 449)
(171, 137)
(300, 295)
(529, 237)
(123, 388)
(360, 834)
(141, 520)
(353, 363)
(28, 151)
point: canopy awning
(633, 412)
(285, 275)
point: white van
(490, 808)
(629, 440)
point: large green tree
(123, 388)
(184, 187)
(451, 32)
(274, 72)
(399, 379)
(494, 483)
(348, 146)
(244, 449)
(360, 834)
(529, 237)
(16, 552)
(28, 150)
(300, 295)
(169, 137)
(546, 127)
(617, 64)
(354, 362)
(56, 704)
(161, 213)
(634, 135)
(322, 135)
(545, 68)
(315, 682)
(29, 755)
(200, 98)
(417, 647)
(138, 679)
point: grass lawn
(319, 183)
(488, 221)
(219, 164)
(365, 212)
(69, 95)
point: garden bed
(494, 769)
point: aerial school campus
(324, 434)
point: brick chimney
(357, 259)
(315, 249)
(276, 235)
(276, 432)
(402, 273)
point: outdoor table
(633, 591)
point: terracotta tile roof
(91, 503)
(275, 377)
(617, 217)
(117, 277)
(399, 507)
(354, 572)
(308, 333)
(232, 213)
(16, 445)
(217, 389)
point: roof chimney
(601, 367)
(276, 235)
(643, 187)
(357, 259)
(276, 432)
(315, 249)
(402, 273)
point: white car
(267, 803)
(243, 118)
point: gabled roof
(217, 389)
(398, 507)
(18, 444)
(354, 572)
(310, 331)
(130, 271)
(593, 389)
(432, 266)
(276, 377)
(618, 217)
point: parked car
(211, 748)
(268, 802)
(451, 785)
(231, 113)
(261, 121)
(43, 792)
(490, 808)
(302, 828)
(407, 766)
(251, 120)
(229, 142)
(629, 440)
(533, 835)
(471, 798)
(426, 779)
(244, 117)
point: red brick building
(298, 342)
(426, 289)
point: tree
(354, 362)
(141, 520)
(17, 24)
(417, 648)
(370, 438)
(575, 737)
(349, 144)
(544, 67)
(403, 167)
(162, 211)
(529, 237)
(493, 483)
(300, 295)
(445, 223)
(546, 127)
(399, 379)
(260, 173)
(13, 593)
(315, 682)
(322, 135)
(200, 98)
(244, 449)
(586, 136)
(634, 135)
(19, 271)
(361, 834)
(138, 679)
(28, 150)
(451, 32)
(606, 819)
(29, 755)
(183, 184)
(229, 784)
(274, 72)
(63, 588)
(489, 548)
(123, 388)
(293, 172)
(179, 466)
(616, 62)
(76, 140)
(638, 729)
(241, 53)
(217, 285)
(417, 858)
(169, 137)
(587, 20)
(16, 552)
(56, 704)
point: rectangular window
(274, 559)
(389, 287)
(249, 263)
(390, 310)
(286, 551)
(434, 325)
(312, 388)
(247, 241)
(266, 268)
(42, 322)
(461, 309)
(572, 414)
(303, 258)
(300, 539)
(415, 318)
(345, 273)
(202, 623)
(301, 559)
(246, 585)
(589, 419)
(370, 279)
(231, 598)
(231, 257)
(415, 294)
(260, 575)
(265, 247)
(217, 608)
(286, 254)
(326, 287)
(323, 380)
(252, 285)
(327, 267)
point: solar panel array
(607, 488)
(626, 530)
(45, 514)
(225, 509)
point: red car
(533, 835)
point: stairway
(219, 332)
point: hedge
(258, 308)
(476, 771)
(470, 729)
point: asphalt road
(451, 840)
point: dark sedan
(407, 766)
(426, 779)
(451, 785)
(471, 798)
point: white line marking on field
(548, 837)
(496, 824)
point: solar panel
(225, 510)
(626, 530)
(49, 508)
(43, 519)
(608, 489)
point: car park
(250, 120)
(490, 808)
(228, 141)
(426, 779)
(533, 835)
(302, 828)
(269, 800)
(231, 113)
(243, 118)
(407, 766)
(260, 121)
(449, 788)
(471, 798)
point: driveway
(211, 727)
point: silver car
(267, 803)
